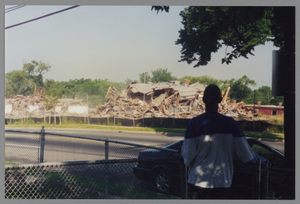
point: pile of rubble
(164, 100)
(34, 105)
(161, 100)
(20, 105)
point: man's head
(212, 95)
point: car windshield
(174, 145)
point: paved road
(151, 139)
(24, 148)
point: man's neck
(211, 108)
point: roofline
(265, 106)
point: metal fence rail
(37, 147)
(46, 166)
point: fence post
(265, 190)
(184, 189)
(256, 184)
(106, 169)
(42, 147)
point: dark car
(165, 174)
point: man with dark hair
(211, 142)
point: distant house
(268, 109)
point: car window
(266, 153)
(262, 151)
(175, 145)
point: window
(273, 157)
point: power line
(50, 14)
(13, 8)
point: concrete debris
(34, 105)
(167, 100)
(161, 100)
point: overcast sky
(115, 42)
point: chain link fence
(43, 165)
(49, 165)
(112, 179)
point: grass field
(123, 128)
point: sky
(115, 43)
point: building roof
(184, 91)
(272, 107)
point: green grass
(106, 127)
(10, 163)
(89, 188)
(129, 192)
(159, 130)
(264, 135)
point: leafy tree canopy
(239, 88)
(207, 29)
(264, 95)
(145, 77)
(17, 82)
(162, 75)
(39, 68)
(202, 79)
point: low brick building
(268, 109)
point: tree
(239, 88)
(144, 78)
(17, 82)
(129, 81)
(261, 94)
(162, 75)
(160, 8)
(202, 79)
(36, 67)
(207, 29)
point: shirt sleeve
(241, 147)
(189, 146)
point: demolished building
(138, 100)
(164, 100)
(34, 106)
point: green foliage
(207, 29)
(50, 102)
(91, 91)
(18, 82)
(162, 75)
(202, 79)
(23, 81)
(144, 78)
(240, 88)
(261, 94)
(129, 81)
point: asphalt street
(145, 138)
